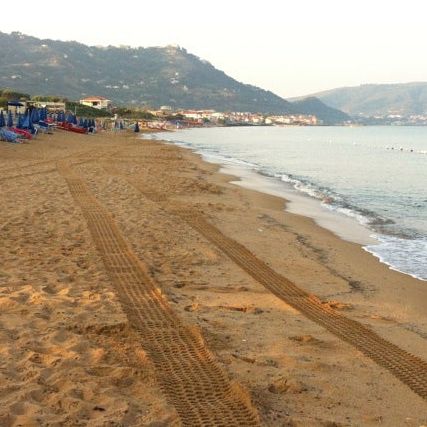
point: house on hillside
(98, 102)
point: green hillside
(376, 99)
(151, 77)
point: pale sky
(289, 47)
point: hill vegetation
(129, 76)
(378, 99)
(314, 106)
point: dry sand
(71, 356)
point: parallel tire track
(186, 370)
(86, 154)
(409, 369)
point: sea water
(371, 176)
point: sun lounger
(22, 133)
(9, 136)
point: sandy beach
(139, 286)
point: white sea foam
(399, 254)
(398, 245)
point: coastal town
(167, 117)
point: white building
(98, 102)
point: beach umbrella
(9, 119)
(35, 116)
(81, 122)
(121, 125)
(31, 127)
(15, 103)
(26, 122)
(136, 129)
(2, 121)
(85, 124)
(20, 121)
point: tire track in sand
(187, 372)
(87, 155)
(408, 368)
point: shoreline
(296, 201)
(71, 351)
(224, 175)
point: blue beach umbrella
(20, 121)
(121, 125)
(35, 116)
(85, 124)
(81, 122)
(136, 129)
(9, 119)
(15, 103)
(60, 117)
(31, 128)
(2, 121)
(26, 122)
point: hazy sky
(290, 47)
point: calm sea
(375, 175)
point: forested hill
(152, 76)
(378, 99)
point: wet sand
(72, 352)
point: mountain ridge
(377, 99)
(151, 76)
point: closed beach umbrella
(121, 125)
(136, 129)
(2, 121)
(20, 122)
(35, 118)
(9, 119)
(85, 124)
(81, 122)
(31, 127)
(26, 122)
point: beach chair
(9, 136)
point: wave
(398, 254)
(338, 203)
(401, 250)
